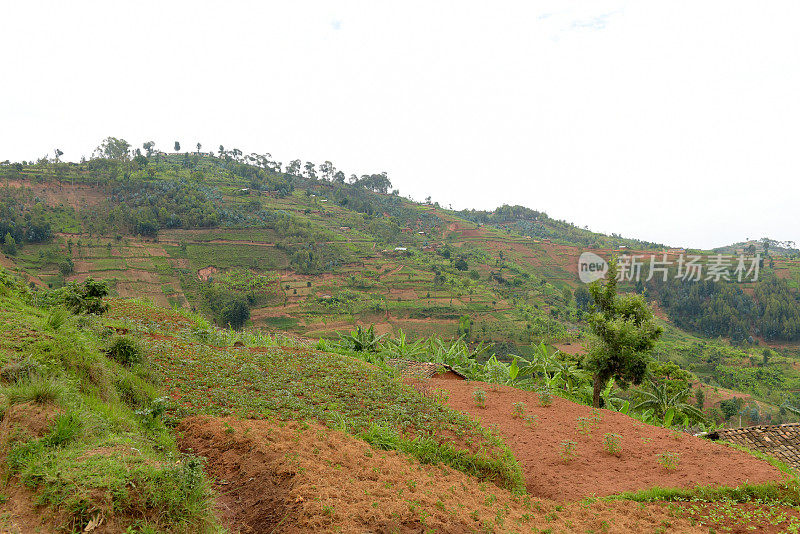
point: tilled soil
(593, 471)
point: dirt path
(593, 471)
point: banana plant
(361, 340)
(399, 347)
(661, 402)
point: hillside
(301, 248)
(101, 438)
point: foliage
(661, 402)
(362, 340)
(92, 399)
(569, 451)
(669, 460)
(625, 331)
(125, 350)
(86, 297)
(612, 443)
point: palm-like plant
(399, 347)
(661, 402)
(361, 340)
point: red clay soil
(593, 471)
(296, 477)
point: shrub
(545, 398)
(532, 421)
(125, 351)
(479, 396)
(585, 426)
(568, 450)
(669, 460)
(518, 411)
(612, 443)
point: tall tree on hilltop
(148, 148)
(113, 148)
(177, 146)
(626, 333)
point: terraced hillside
(291, 437)
(250, 242)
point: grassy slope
(70, 430)
(297, 382)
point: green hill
(305, 249)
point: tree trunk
(598, 387)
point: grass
(74, 436)
(777, 493)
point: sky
(674, 121)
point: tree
(177, 146)
(625, 333)
(9, 244)
(582, 298)
(310, 170)
(58, 153)
(199, 146)
(113, 148)
(148, 148)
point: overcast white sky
(677, 122)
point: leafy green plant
(125, 350)
(532, 420)
(56, 319)
(668, 405)
(669, 460)
(479, 397)
(545, 398)
(612, 443)
(361, 340)
(440, 395)
(569, 450)
(518, 410)
(585, 426)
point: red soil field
(595, 472)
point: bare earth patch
(593, 471)
(296, 477)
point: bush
(125, 351)
(669, 460)
(518, 410)
(612, 443)
(479, 396)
